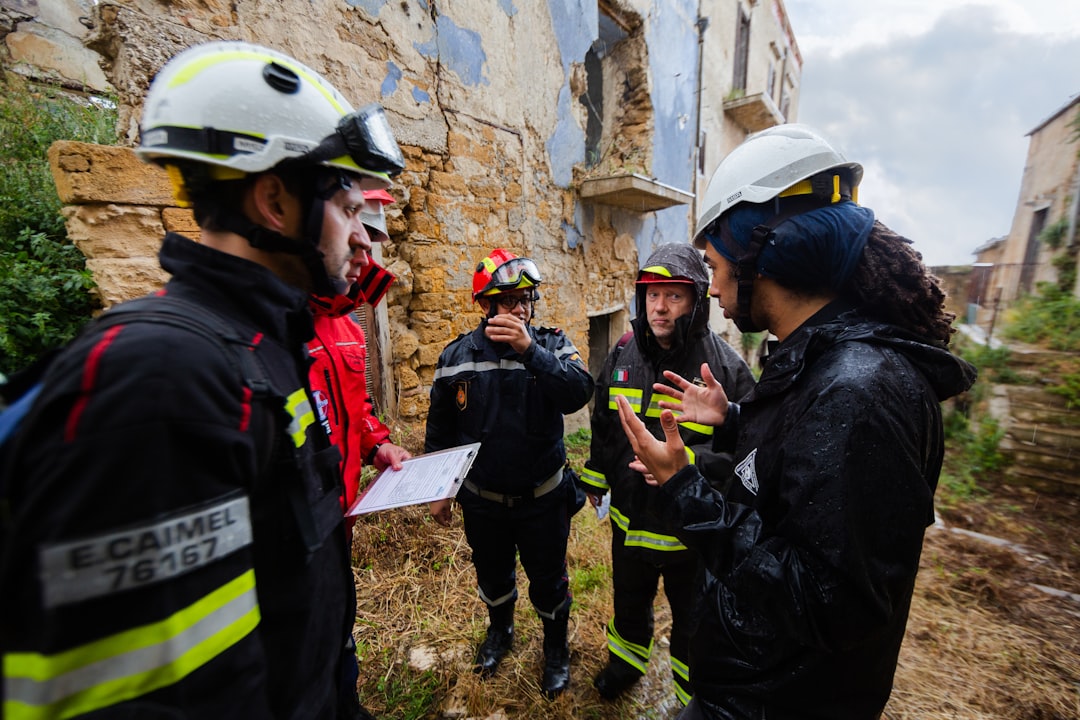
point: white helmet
(767, 164)
(245, 108)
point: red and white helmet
(501, 271)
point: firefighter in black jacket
(670, 332)
(507, 385)
(176, 546)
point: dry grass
(982, 641)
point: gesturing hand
(661, 459)
(706, 405)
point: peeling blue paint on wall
(576, 26)
(372, 6)
(508, 7)
(390, 82)
(458, 49)
(420, 96)
(671, 38)
(566, 146)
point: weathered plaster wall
(485, 99)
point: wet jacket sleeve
(832, 553)
(596, 474)
(559, 370)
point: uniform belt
(510, 500)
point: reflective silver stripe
(131, 663)
(479, 367)
(135, 556)
(635, 655)
(597, 480)
(498, 601)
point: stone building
(578, 132)
(1049, 196)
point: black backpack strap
(168, 310)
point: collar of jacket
(237, 288)
(371, 287)
(947, 374)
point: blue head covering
(825, 243)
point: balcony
(754, 112)
(633, 192)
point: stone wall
(488, 99)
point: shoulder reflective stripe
(299, 409)
(632, 395)
(642, 538)
(132, 663)
(593, 478)
(143, 555)
(634, 655)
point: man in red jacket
(339, 362)
(338, 370)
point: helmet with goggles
(242, 108)
(502, 271)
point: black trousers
(537, 530)
(635, 582)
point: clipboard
(421, 479)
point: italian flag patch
(620, 375)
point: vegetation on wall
(44, 284)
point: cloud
(936, 107)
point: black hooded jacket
(631, 371)
(177, 536)
(810, 558)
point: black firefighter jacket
(811, 557)
(630, 371)
(169, 556)
(512, 404)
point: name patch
(142, 555)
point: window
(742, 51)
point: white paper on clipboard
(421, 479)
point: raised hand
(706, 405)
(659, 458)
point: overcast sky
(935, 98)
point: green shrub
(44, 285)
(1050, 319)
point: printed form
(421, 479)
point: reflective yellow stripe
(132, 663)
(593, 478)
(635, 655)
(691, 455)
(681, 673)
(654, 411)
(642, 538)
(632, 395)
(299, 409)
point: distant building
(1048, 207)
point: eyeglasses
(510, 302)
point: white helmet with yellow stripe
(242, 108)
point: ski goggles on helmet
(512, 274)
(366, 137)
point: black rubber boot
(556, 657)
(615, 679)
(500, 636)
